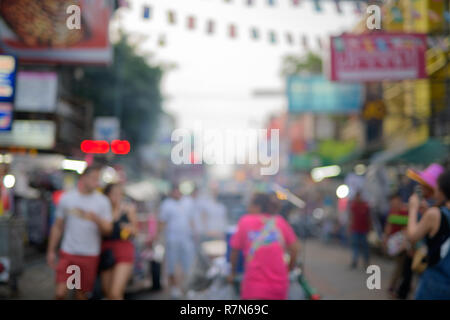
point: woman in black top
(117, 259)
(434, 226)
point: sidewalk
(35, 283)
(327, 269)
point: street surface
(326, 268)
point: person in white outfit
(176, 223)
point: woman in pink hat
(434, 227)
(427, 179)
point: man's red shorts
(88, 269)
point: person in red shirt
(359, 228)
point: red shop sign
(378, 57)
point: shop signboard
(316, 94)
(378, 57)
(33, 134)
(47, 38)
(36, 91)
(6, 116)
(106, 128)
(8, 67)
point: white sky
(216, 74)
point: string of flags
(297, 3)
(272, 36)
(316, 4)
(397, 15)
(232, 30)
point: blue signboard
(8, 67)
(6, 116)
(319, 95)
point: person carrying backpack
(264, 237)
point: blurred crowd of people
(96, 231)
(416, 234)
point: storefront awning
(431, 151)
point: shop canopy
(328, 152)
(431, 151)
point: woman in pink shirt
(264, 237)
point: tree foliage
(310, 63)
(129, 89)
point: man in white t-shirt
(83, 216)
(212, 217)
(217, 220)
(176, 221)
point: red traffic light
(93, 146)
(120, 147)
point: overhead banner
(378, 57)
(319, 95)
(47, 38)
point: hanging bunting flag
(295, 3)
(421, 44)
(305, 43)
(272, 37)
(358, 8)
(444, 43)
(254, 33)
(232, 31)
(317, 6)
(433, 16)
(124, 4)
(415, 14)
(397, 14)
(319, 43)
(171, 17)
(191, 23)
(162, 40)
(271, 3)
(210, 27)
(338, 6)
(147, 12)
(289, 38)
(249, 3)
